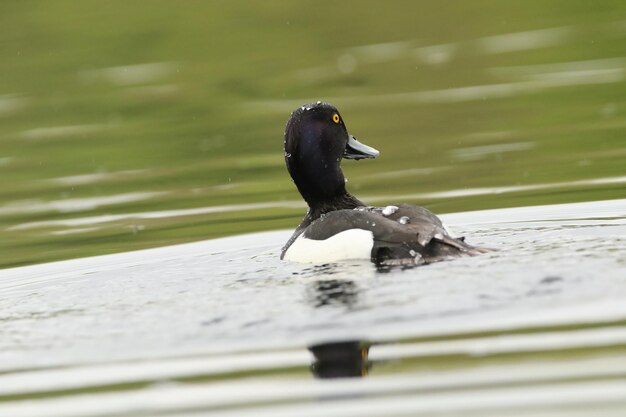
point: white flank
(351, 244)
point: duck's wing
(404, 235)
(415, 214)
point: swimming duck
(338, 226)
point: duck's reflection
(340, 359)
(343, 358)
(336, 292)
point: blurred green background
(126, 125)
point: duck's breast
(347, 244)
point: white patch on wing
(350, 244)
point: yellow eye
(336, 118)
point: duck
(337, 225)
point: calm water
(123, 128)
(222, 327)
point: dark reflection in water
(333, 292)
(340, 359)
(343, 358)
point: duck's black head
(316, 139)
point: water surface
(222, 327)
(123, 128)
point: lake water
(166, 126)
(124, 127)
(222, 327)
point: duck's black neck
(324, 190)
(341, 202)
